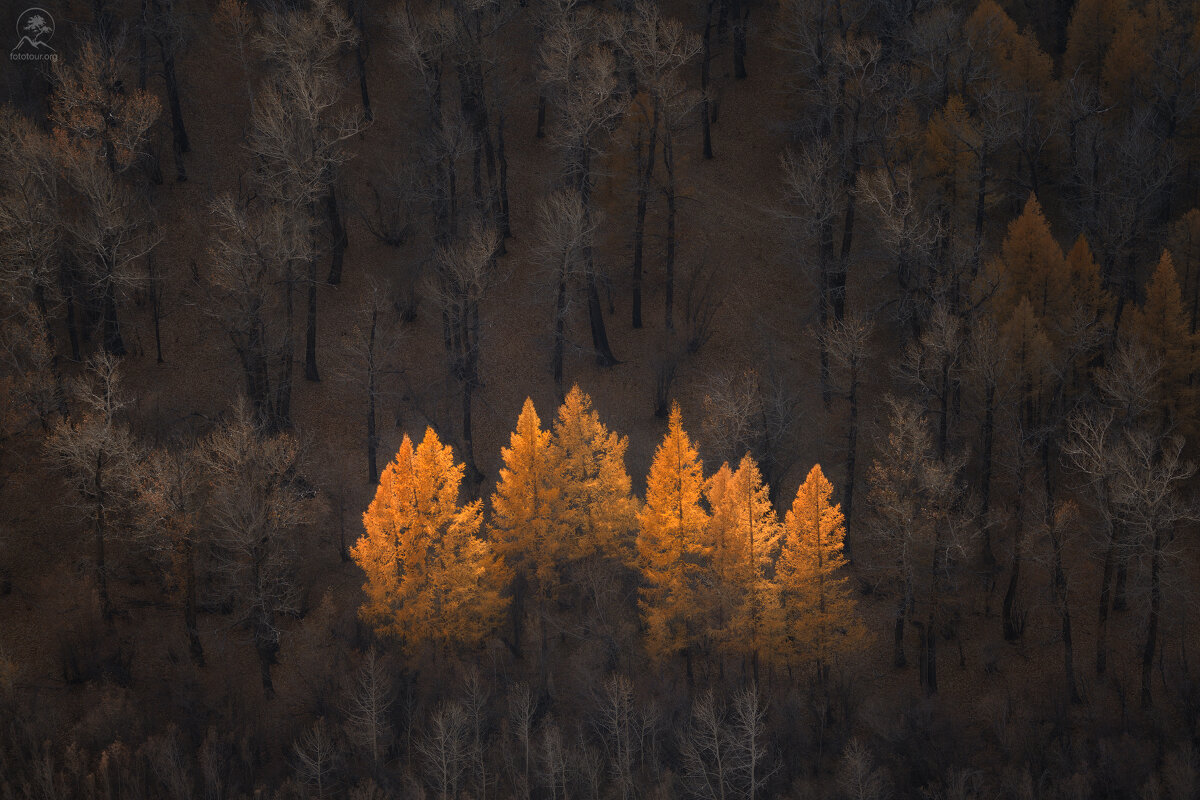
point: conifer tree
(431, 579)
(596, 507)
(817, 605)
(1162, 326)
(527, 518)
(743, 535)
(671, 545)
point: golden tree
(671, 544)
(527, 519)
(818, 608)
(431, 579)
(743, 536)
(597, 510)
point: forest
(600, 399)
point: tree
(298, 130)
(431, 580)
(819, 614)
(466, 270)
(914, 528)
(96, 451)
(527, 519)
(255, 510)
(99, 134)
(580, 76)
(672, 546)
(598, 510)
(743, 536)
(172, 502)
(369, 706)
(566, 233)
(1162, 327)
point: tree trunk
(706, 81)
(1106, 583)
(98, 520)
(502, 158)
(560, 319)
(357, 11)
(189, 602)
(155, 309)
(604, 354)
(645, 177)
(338, 240)
(741, 16)
(851, 454)
(669, 165)
(372, 442)
(310, 327)
(898, 659)
(179, 137)
(1151, 644)
(113, 343)
(985, 470)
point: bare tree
(369, 707)
(256, 507)
(96, 450)
(846, 341)
(444, 748)
(580, 78)
(659, 48)
(317, 758)
(171, 501)
(858, 777)
(565, 235)
(298, 129)
(915, 528)
(466, 271)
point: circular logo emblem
(35, 27)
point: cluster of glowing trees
(718, 571)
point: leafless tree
(256, 508)
(96, 451)
(658, 48)
(579, 76)
(317, 758)
(847, 342)
(298, 130)
(445, 749)
(466, 271)
(253, 255)
(565, 235)
(371, 356)
(369, 707)
(858, 776)
(171, 504)
(915, 527)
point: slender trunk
(372, 443)
(282, 412)
(560, 319)
(898, 659)
(310, 327)
(541, 115)
(1119, 601)
(189, 602)
(741, 16)
(604, 354)
(1012, 628)
(155, 309)
(357, 13)
(113, 343)
(338, 240)
(179, 136)
(987, 434)
(645, 178)
(1106, 583)
(706, 81)
(1151, 644)
(669, 165)
(502, 158)
(851, 454)
(98, 520)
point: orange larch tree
(818, 609)
(743, 537)
(597, 509)
(671, 545)
(431, 579)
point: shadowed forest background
(559, 399)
